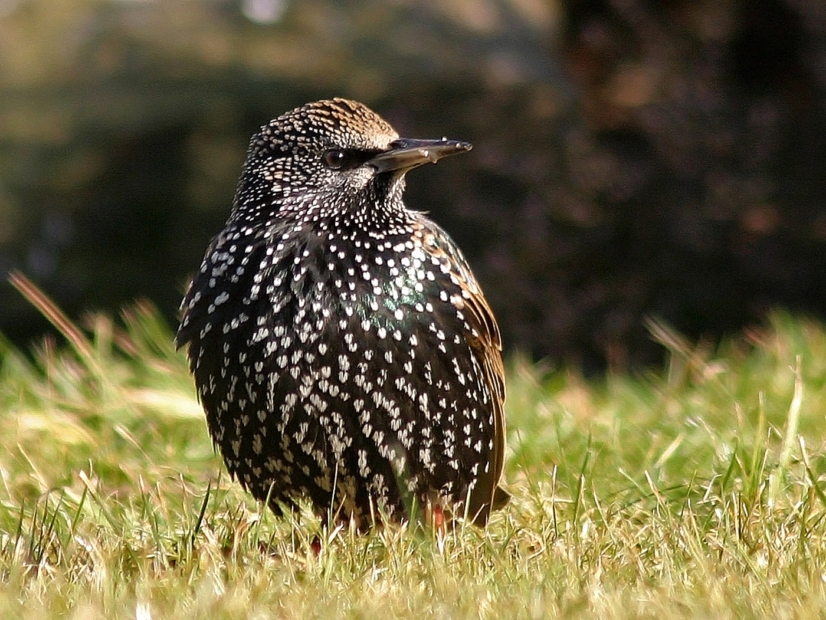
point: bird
(341, 347)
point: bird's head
(330, 156)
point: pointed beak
(405, 154)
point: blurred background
(631, 158)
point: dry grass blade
(791, 436)
(56, 317)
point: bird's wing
(486, 341)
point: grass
(693, 492)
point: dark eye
(336, 159)
(346, 159)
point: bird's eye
(335, 159)
(346, 159)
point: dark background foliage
(632, 158)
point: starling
(341, 347)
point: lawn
(695, 491)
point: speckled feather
(341, 346)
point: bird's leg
(439, 520)
(316, 543)
(435, 516)
(315, 546)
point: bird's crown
(332, 123)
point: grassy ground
(693, 492)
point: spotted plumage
(341, 347)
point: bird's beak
(405, 154)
